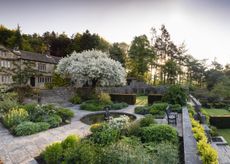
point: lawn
(142, 100)
(225, 133)
(216, 112)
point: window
(44, 79)
(5, 63)
(41, 67)
(5, 79)
(2, 53)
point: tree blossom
(92, 66)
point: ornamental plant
(120, 122)
(207, 152)
(92, 67)
(15, 117)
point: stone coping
(190, 145)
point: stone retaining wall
(190, 145)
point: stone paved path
(22, 150)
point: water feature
(102, 117)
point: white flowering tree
(94, 67)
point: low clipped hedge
(152, 98)
(127, 98)
(221, 122)
(206, 151)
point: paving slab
(22, 150)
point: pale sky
(204, 25)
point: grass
(216, 112)
(225, 133)
(142, 100)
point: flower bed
(118, 141)
(32, 118)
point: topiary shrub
(28, 128)
(127, 98)
(53, 153)
(15, 117)
(147, 120)
(152, 98)
(65, 114)
(159, 133)
(106, 136)
(53, 120)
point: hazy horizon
(204, 26)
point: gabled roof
(38, 57)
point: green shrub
(70, 142)
(176, 108)
(133, 129)
(98, 127)
(75, 99)
(176, 94)
(84, 153)
(159, 133)
(65, 114)
(116, 106)
(124, 153)
(92, 105)
(28, 128)
(127, 98)
(38, 113)
(7, 104)
(49, 85)
(213, 131)
(142, 110)
(164, 152)
(53, 153)
(147, 120)
(15, 117)
(53, 120)
(158, 109)
(104, 98)
(152, 98)
(106, 136)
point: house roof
(38, 57)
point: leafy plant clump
(176, 94)
(28, 128)
(32, 118)
(15, 117)
(76, 99)
(159, 133)
(207, 152)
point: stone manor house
(11, 62)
